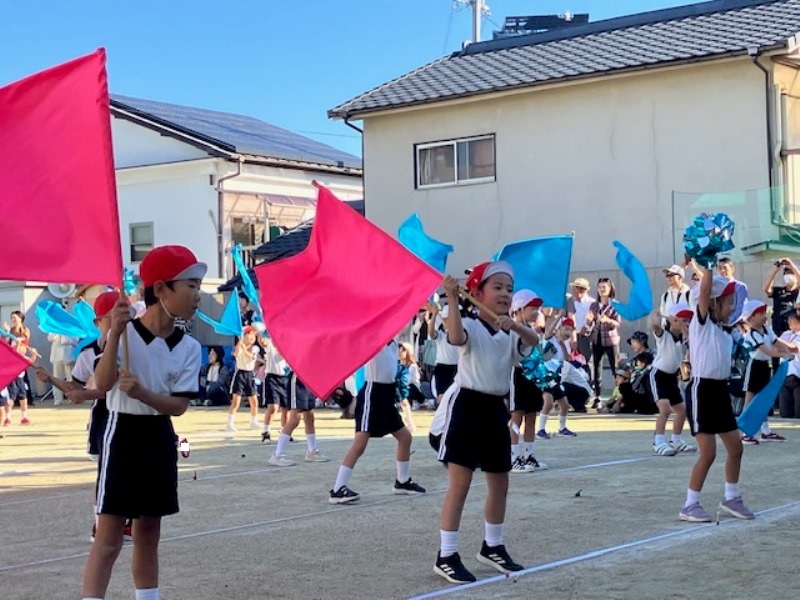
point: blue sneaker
(567, 432)
(542, 435)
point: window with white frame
(141, 237)
(454, 162)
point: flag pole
(125, 354)
(481, 306)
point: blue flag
(361, 378)
(413, 237)
(640, 303)
(756, 412)
(55, 319)
(541, 265)
(230, 323)
(247, 283)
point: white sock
(230, 419)
(732, 491)
(23, 414)
(562, 422)
(692, 497)
(311, 442)
(342, 478)
(254, 421)
(148, 594)
(91, 598)
(403, 470)
(448, 544)
(542, 422)
(283, 441)
(514, 451)
(493, 534)
(527, 449)
(765, 428)
(265, 428)
(676, 438)
(660, 440)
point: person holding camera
(783, 294)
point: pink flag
(59, 195)
(332, 307)
(12, 363)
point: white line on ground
(692, 529)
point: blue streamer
(640, 303)
(247, 284)
(754, 413)
(230, 323)
(708, 236)
(413, 236)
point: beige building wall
(601, 158)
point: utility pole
(479, 9)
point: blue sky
(284, 61)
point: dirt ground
(248, 530)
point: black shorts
(137, 474)
(98, 417)
(476, 432)
(664, 386)
(443, 377)
(376, 413)
(709, 407)
(244, 384)
(276, 389)
(435, 441)
(300, 397)
(524, 395)
(556, 391)
(757, 375)
(16, 390)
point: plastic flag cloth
(542, 265)
(640, 303)
(131, 281)
(230, 323)
(708, 236)
(754, 413)
(413, 236)
(248, 286)
(55, 319)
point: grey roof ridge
(613, 24)
(336, 113)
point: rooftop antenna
(479, 9)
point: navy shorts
(476, 432)
(98, 418)
(709, 406)
(524, 395)
(16, 390)
(276, 389)
(443, 377)
(244, 384)
(757, 375)
(376, 413)
(137, 472)
(664, 386)
(300, 397)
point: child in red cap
(138, 468)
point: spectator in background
(214, 379)
(61, 348)
(677, 291)
(245, 310)
(578, 309)
(784, 294)
(726, 268)
(605, 334)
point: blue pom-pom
(708, 236)
(545, 374)
(131, 281)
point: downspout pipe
(361, 132)
(755, 54)
(220, 212)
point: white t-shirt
(83, 370)
(446, 353)
(792, 337)
(669, 352)
(169, 366)
(756, 340)
(276, 365)
(581, 310)
(710, 348)
(245, 362)
(382, 368)
(486, 358)
(672, 297)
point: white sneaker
(518, 466)
(316, 456)
(230, 428)
(280, 461)
(531, 464)
(664, 450)
(255, 425)
(682, 446)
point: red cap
(568, 323)
(249, 329)
(170, 263)
(729, 289)
(104, 303)
(485, 270)
(476, 276)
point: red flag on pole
(332, 307)
(59, 188)
(12, 363)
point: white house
(619, 129)
(207, 180)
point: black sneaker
(409, 488)
(344, 495)
(265, 437)
(452, 569)
(498, 558)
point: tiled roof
(237, 133)
(287, 245)
(683, 34)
